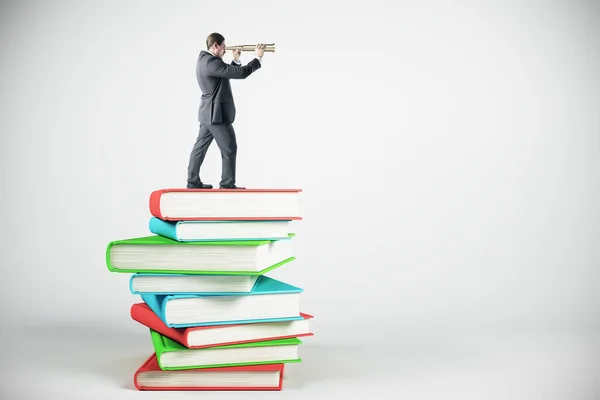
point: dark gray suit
(216, 114)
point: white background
(447, 152)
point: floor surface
(93, 363)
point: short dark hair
(214, 38)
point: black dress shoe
(199, 186)
(231, 187)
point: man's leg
(197, 155)
(225, 137)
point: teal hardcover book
(221, 230)
(270, 300)
(205, 284)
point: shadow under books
(98, 353)
(105, 354)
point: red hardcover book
(225, 204)
(149, 376)
(220, 335)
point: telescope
(251, 47)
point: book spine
(163, 228)
(108, 262)
(154, 203)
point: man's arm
(238, 62)
(217, 67)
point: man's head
(215, 43)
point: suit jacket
(213, 74)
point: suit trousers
(224, 135)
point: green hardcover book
(174, 356)
(160, 255)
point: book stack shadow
(215, 320)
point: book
(198, 337)
(172, 355)
(216, 320)
(271, 300)
(225, 204)
(158, 254)
(141, 283)
(219, 230)
(149, 376)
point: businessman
(216, 113)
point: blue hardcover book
(220, 230)
(270, 301)
(203, 284)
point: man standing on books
(217, 109)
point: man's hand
(236, 54)
(260, 50)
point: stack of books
(216, 321)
